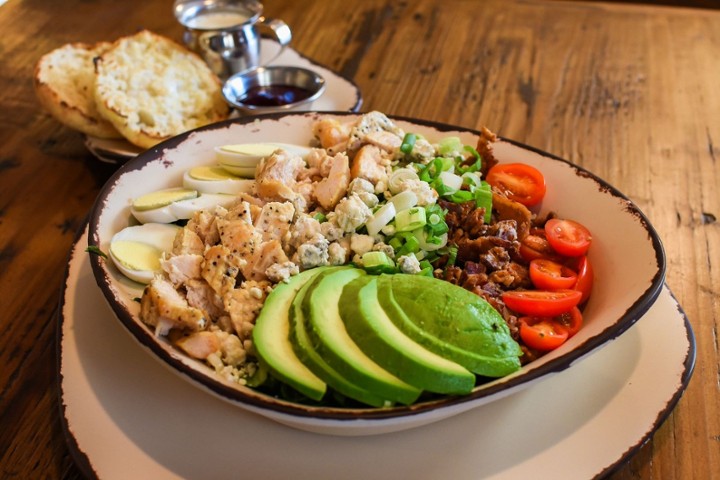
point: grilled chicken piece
(187, 241)
(203, 223)
(333, 187)
(239, 236)
(369, 164)
(219, 269)
(164, 308)
(275, 220)
(267, 254)
(331, 134)
(388, 141)
(243, 305)
(201, 296)
(277, 175)
(199, 344)
(183, 267)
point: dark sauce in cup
(274, 95)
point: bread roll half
(64, 81)
(151, 88)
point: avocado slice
(331, 340)
(271, 338)
(372, 330)
(305, 351)
(450, 321)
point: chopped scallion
(410, 219)
(408, 143)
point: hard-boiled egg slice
(153, 207)
(215, 179)
(250, 154)
(155, 215)
(185, 209)
(243, 172)
(136, 251)
(160, 198)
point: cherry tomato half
(567, 237)
(521, 183)
(571, 321)
(541, 303)
(584, 278)
(542, 334)
(548, 275)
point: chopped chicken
(267, 254)
(199, 344)
(388, 141)
(164, 308)
(243, 305)
(275, 220)
(276, 177)
(333, 187)
(219, 269)
(187, 241)
(370, 165)
(183, 267)
(331, 134)
(200, 295)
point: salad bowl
(627, 258)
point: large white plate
(341, 94)
(125, 417)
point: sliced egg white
(250, 154)
(155, 215)
(216, 179)
(185, 209)
(160, 198)
(242, 172)
(136, 251)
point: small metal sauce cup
(238, 86)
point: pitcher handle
(280, 30)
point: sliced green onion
(461, 196)
(472, 179)
(404, 200)
(377, 262)
(380, 218)
(434, 219)
(410, 219)
(449, 145)
(483, 199)
(426, 244)
(320, 217)
(408, 143)
(412, 245)
(452, 256)
(452, 182)
(396, 243)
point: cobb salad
(396, 209)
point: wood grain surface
(630, 92)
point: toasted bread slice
(152, 88)
(64, 83)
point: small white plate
(341, 95)
(126, 417)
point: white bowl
(627, 258)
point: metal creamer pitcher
(226, 33)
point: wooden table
(629, 92)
